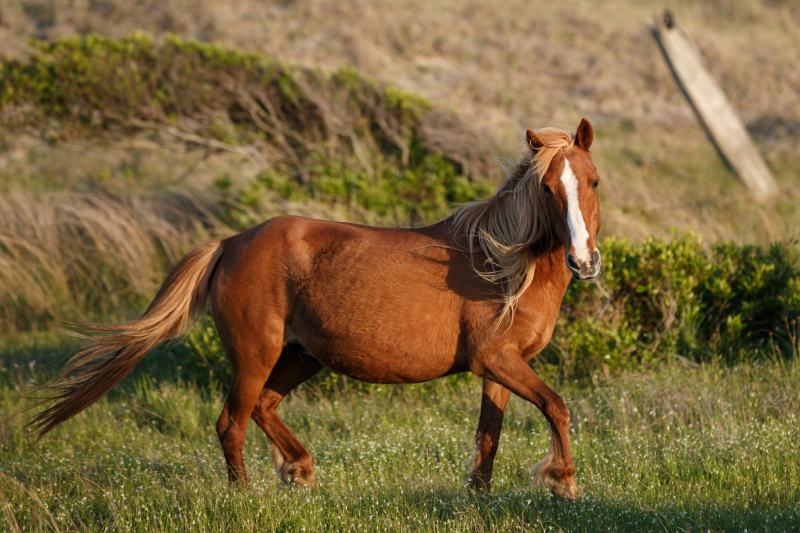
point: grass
(683, 447)
(83, 256)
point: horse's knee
(558, 412)
(259, 415)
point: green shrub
(82, 85)
(423, 191)
(663, 299)
(205, 344)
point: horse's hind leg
(291, 460)
(487, 437)
(253, 359)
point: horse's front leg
(509, 369)
(487, 437)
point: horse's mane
(512, 227)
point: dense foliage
(661, 299)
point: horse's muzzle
(585, 269)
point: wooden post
(712, 107)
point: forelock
(554, 141)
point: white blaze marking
(577, 226)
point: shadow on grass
(538, 509)
(37, 358)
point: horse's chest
(534, 331)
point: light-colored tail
(114, 351)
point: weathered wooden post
(712, 107)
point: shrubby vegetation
(330, 135)
(663, 299)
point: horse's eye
(595, 184)
(547, 190)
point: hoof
(479, 483)
(298, 474)
(560, 480)
(567, 490)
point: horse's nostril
(585, 269)
(572, 264)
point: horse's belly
(389, 368)
(383, 347)
(369, 357)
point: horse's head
(569, 187)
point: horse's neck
(550, 279)
(551, 275)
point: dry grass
(506, 66)
(87, 255)
(88, 229)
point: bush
(665, 299)
(83, 85)
(423, 191)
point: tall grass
(79, 256)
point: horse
(479, 291)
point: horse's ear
(534, 142)
(583, 137)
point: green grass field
(678, 448)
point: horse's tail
(114, 351)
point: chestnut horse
(479, 291)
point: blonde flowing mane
(512, 227)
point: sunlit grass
(678, 448)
